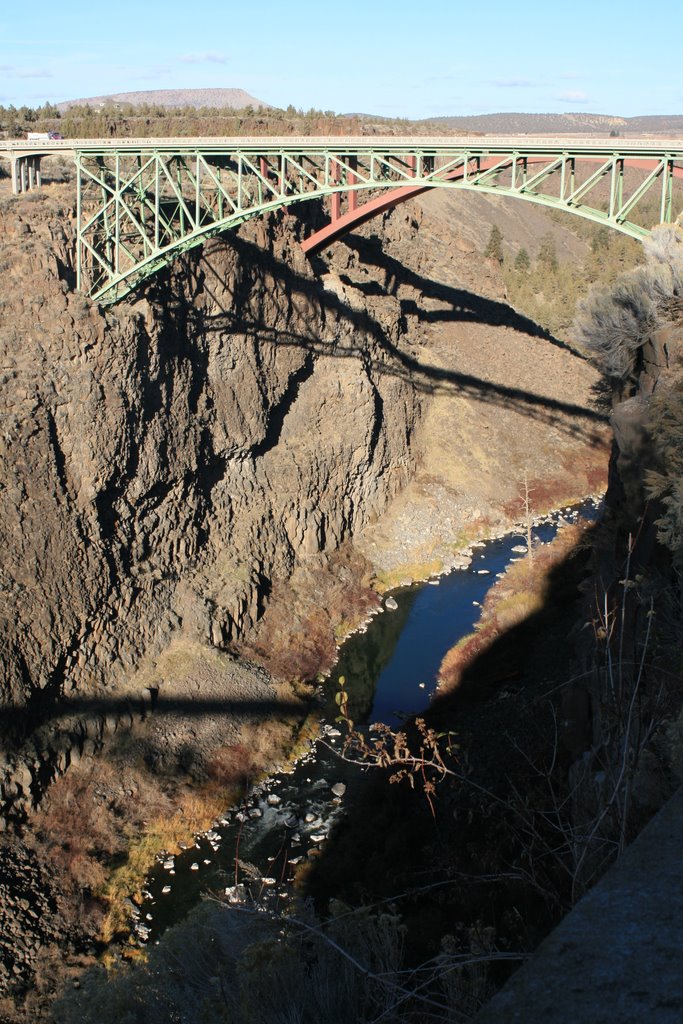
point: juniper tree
(494, 247)
(522, 261)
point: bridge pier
(26, 173)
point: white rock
(236, 893)
(273, 800)
(391, 604)
(194, 866)
(339, 789)
(166, 888)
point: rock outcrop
(163, 462)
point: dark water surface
(383, 669)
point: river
(390, 671)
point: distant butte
(235, 99)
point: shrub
(522, 261)
(612, 325)
(547, 253)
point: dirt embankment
(233, 457)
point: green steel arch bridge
(142, 201)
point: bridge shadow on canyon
(19, 720)
(580, 421)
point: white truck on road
(43, 136)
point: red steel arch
(341, 224)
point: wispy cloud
(204, 58)
(572, 96)
(13, 72)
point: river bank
(390, 666)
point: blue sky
(392, 58)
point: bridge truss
(141, 204)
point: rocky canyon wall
(163, 461)
(166, 462)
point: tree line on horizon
(146, 120)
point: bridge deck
(317, 144)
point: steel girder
(138, 208)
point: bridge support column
(26, 173)
(336, 196)
(352, 179)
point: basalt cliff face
(164, 461)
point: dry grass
(390, 579)
(179, 661)
(306, 615)
(104, 821)
(431, 564)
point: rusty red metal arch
(357, 215)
